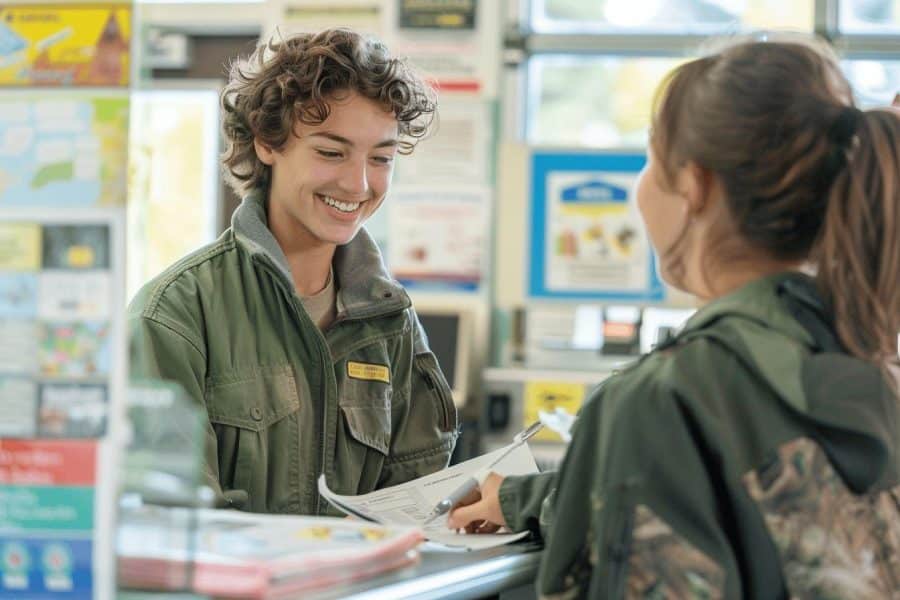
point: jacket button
(256, 413)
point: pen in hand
(471, 484)
(477, 478)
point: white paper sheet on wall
(459, 149)
(439, 237)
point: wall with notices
(64, 112)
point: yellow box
(547, 396)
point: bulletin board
(587, 241)
(62, 351)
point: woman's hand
(480, 512)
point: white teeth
(341, 206)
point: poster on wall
(587, 238)
(455, 44)
(459, 149)
(63, 150)
(437, 14)
(62, 377)
(453, 65)
(438, 238)
(285, 17)
(65, 44)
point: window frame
(522, 43)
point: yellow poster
(65, 44)
(20, 247)
(548, 396)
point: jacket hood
(845, 402)
(365, 288)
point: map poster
(65, 45)
(63, 150)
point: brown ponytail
(858, 252)
(806, 175)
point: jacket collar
(365, 288)
(757, 301)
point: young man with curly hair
(288, 330)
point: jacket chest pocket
(364, 396)
(256, 439)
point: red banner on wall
(48, 462)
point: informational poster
(48, 493)
(460, 149)
(455, 44)
(437, 14)
(56, 312)
(65, 44)
(453, 65)
(285, 17)
(63, 150)
(61, 388)
(587, 238)
(438, 238)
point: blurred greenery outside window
(597, 101)
(601, 97)
(705, 17)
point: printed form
(410, 503)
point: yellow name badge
(358, 370)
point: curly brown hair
(292, 79)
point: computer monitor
(449, 334)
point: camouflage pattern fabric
(833, 544)
(693, 472)
(664, 565)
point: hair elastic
(844, 127)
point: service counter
(506, 572)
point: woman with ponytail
(754, 455)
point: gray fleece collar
(365, 288)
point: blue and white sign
(36, 568)
(587, 238)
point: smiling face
(329, 178)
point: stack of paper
(238, 555)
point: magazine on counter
(230, 554)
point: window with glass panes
(591, 67)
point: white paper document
(409, 503)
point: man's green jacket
(363, 402)
(750, 457)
